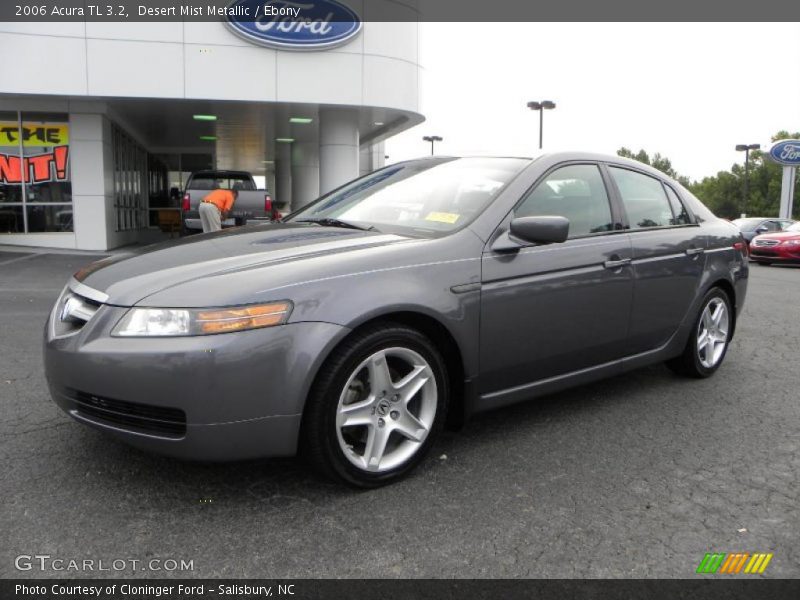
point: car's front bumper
(775, 255)
(218, 397)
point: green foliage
(662, 163)
(723, 193)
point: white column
(787, 192)
(91, 165)
(282, 194)
(371, 158)
(305, 173)
(338, 147)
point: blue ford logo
(288, 25)
(786, 152)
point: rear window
(215, 181)
(747, 224)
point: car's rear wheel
(376, 406)
(708, 343)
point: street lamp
(432, 139)
(746, 149)
(541, 107)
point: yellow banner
(34, 134)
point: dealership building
(101, 123)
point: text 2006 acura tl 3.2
(423, 292)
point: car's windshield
(794, 227)
(430, 196)
(747, 224)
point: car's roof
(566, 156)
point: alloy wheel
(712, 333)
(386, 409)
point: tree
(662, 163)
(724, 192)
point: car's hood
(129, 278)
(778, 235)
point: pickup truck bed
(251, 204)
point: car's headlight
(791, 243)
(170, 322)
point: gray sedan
(398, 304)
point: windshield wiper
(331, 222)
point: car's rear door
(548, 310)
(668, 255)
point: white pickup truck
(251, 204)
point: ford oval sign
(288, 25)
(786, 152)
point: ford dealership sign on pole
(288, 25)
(786, 153)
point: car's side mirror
(762, 229)
(540, 230)
(533, 230)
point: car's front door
(668, 257)
(547, 310)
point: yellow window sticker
(442, 217)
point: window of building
(130, 181)
(644, 199)
(576, 192)
(35, 183)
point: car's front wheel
(708, 343)
(377, 406)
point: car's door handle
(694, 251)
(616, 264)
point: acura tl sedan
(404, 301)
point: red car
(779, 247)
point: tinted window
(576, 192)
(644, 199)
(680, 215)
(214, 181)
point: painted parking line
(20, 258)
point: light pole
(432, 139)
(541, 107)
(746, 149)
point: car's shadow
(290, 481)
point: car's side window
(679, 212)
(576, 192)
(644, 199)
(771, 226)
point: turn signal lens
(174, 322)
(247, 317)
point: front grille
(766, 242)
(72, 312)
(133, 416)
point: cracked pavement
(636, 476)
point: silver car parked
(408, 299)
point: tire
(709, 339)
(390, 383)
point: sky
(689, 91)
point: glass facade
(130, 181)
(35, 182)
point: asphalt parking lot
(637, 476)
